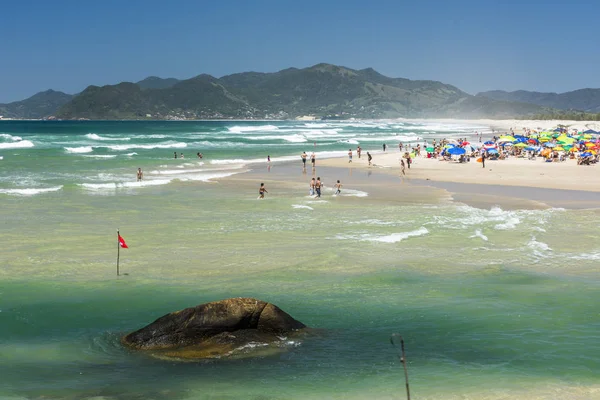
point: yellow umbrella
(521, 144)
(507, 138)
(588, 144)
(587, 136)
(558, 148)
(592, 151)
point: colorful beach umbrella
(521, 144)
(456, 151)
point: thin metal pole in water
(402, 360)
(118, 251)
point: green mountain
(323, 90)
(40, 105)
(583, 100)
(154, 82)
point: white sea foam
(166, 145)
(480, 235)
(120, 185)
(260, 128)
(398, 237)
(392, 238)
(19, 144)
(288, 138)
(101, 156)
(354, 193)
(302, 206)
(83, 149)
(131, 154)
(10, 137)
(93, 136)
(349, 141)
(30, 191)
(535, 245)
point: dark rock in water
(214, 329)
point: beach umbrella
(590, 131)
(558, 148)
(531, 148)
(430, 149)
(545, 152)
(533, 141)
(521, 144)
(489, 142)
(456, 151)
(506, 139)
(550, 145)
(492, 151)
(589, 144)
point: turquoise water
(491, 303)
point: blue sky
(475, 45)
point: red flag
(122, 242)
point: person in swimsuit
(338, 187)
(369, 157)
(303, 156)
(261, 191)
(313, 159)
(349, 155)
(358, 150)
(140, 174)
(311, 190)
(318, 185)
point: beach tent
(593, 132)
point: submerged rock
(216, 329)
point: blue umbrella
(590, 131)
(456, 151)
(492, 151)
(489, 142)
(531, 148)
(550, 145)
(585, 154)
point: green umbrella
(430, 149)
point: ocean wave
(288, 138)
(30, 191)
(535, 245)
(349, 141)
(392, 238)
(302, 206)
(93, 136)
(101, 156)
(243, 129)
(20, 144)
(83, 149)
(7, 136)
(120, 185)
(131, 154)
(167, 145)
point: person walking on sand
(318, 186)
(313, 159)
(384, 147)
(261, 191)
(311, 190)
(483, 159)
(303, 157)
(402, 167)
(369, 157)
(358, 150)
(140, 175)
(268, 158)
(338, 187)
(349, 155)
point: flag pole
(402, 357)
(118, 251)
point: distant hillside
(154, 82)
(322, 90)
(583, 100)
(39, 105)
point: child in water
(261, 191)
(338, 187)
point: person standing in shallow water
(261, 191)
(349, 155)
(140, 174)
(369, 157)
(318, 185)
